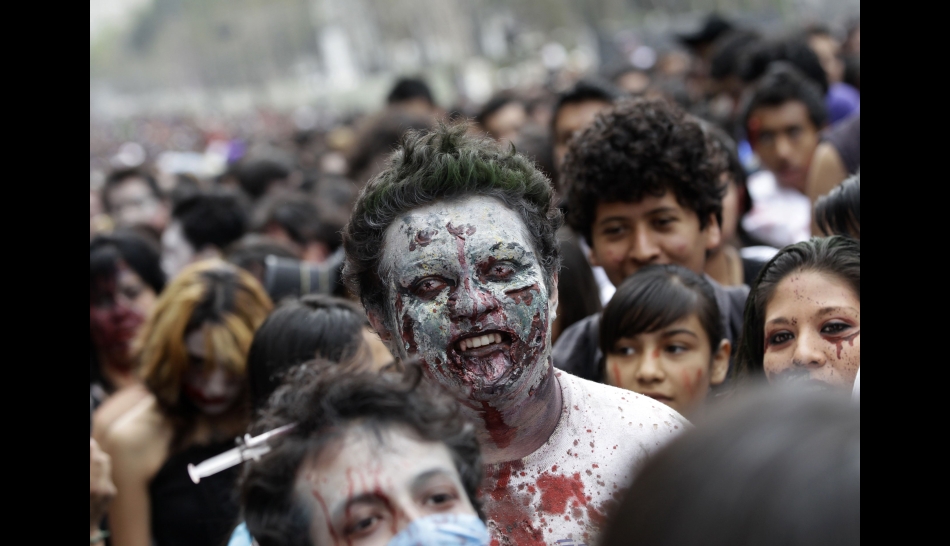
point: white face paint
(177, 252)
(470, 298)
(212, 388)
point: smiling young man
(645, 190)
(453, 252)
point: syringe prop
(249, 448)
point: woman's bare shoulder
(140, 436)
(115, 407)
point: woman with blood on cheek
(124, 279)
(663, 337)
(373, 459)
(803, 316)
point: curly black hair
(443, 164)
(325, 401)
(639, 148)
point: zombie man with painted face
(452, 250)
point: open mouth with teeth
(489, 340)
(485, 358)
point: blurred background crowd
(244, 130)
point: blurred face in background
(212, 388)
(813, 332)
(133, 204)
(785, 139)
(829, 54)
(117, 308)
(571, 119)
(505, 122)
(177, 252)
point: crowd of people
(624, 310)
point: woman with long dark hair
(803, 316)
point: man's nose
(405, 512)
(783, 147)
(643, 247)
(471, 300)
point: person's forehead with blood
(369, 484)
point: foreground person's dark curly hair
(640, 148)
(326, 401)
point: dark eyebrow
(612, 218)
(420, 480)
(659, 210)
(678, 331)
(362, 498)
(779, 320)
(829, 310)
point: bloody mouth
(482, 343)
(484, 359)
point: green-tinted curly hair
(438, 165)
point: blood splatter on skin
(808, 319)
(849, 339)
(557, 490)
(513, 524)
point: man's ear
(552, 298)
(720, 363)
(713, 232)
(379, 325)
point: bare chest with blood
(562, 493)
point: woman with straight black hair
(314, 326)
(662, 337)
(839, 212)
(803, 316)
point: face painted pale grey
(461, 273)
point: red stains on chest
(501, 434)
(508, 510)
(557, 490)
